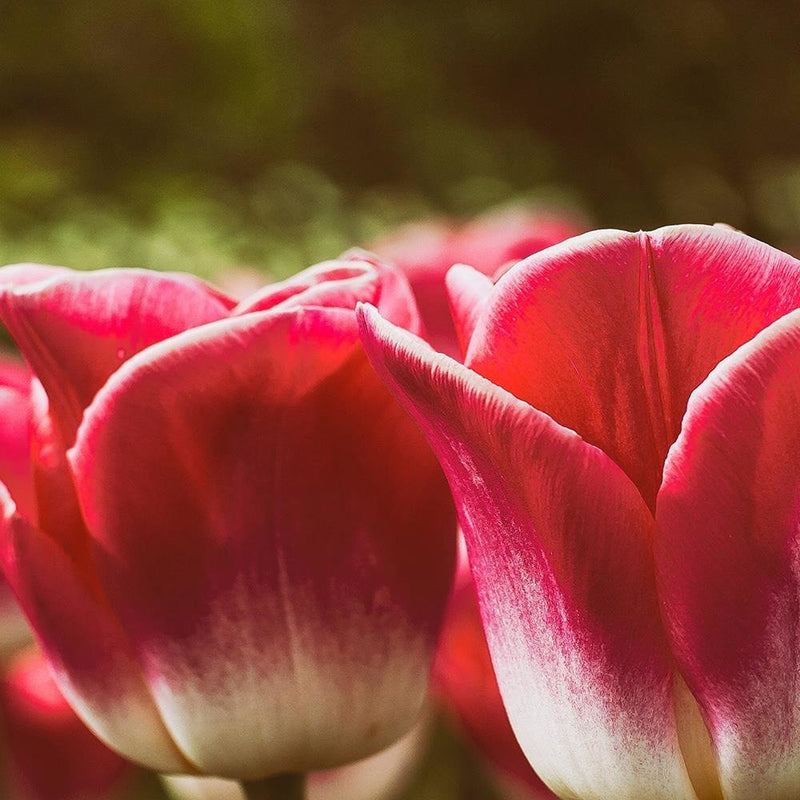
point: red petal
(58, 510)
(559, 541)
(274, 534)
(609, 332)
(469, 291)
(77, 328)
(728, 536)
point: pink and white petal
(559, 541)
(91, 659)
(464, 679)
(469, 291)
(25, 273)
(274, 534)
(727, 550)
(77, 328)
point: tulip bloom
(425, 252)
(622, 444)
(49, 754)
(243, 546)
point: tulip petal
(26, 273)
(469, 291)
(560, 545)
(609, 332)
(16, 471)
(58, 510)
(92, 661)
(275, 536)
(728, 519)
(356, 277)
(77, 328)
(716, 289)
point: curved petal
(727, 557)
(716, 289)
(25, 273)
(16, 471)
(559, 541)
(77, 328)
(608, 333)
(91, 658)
(469, 291)
(58, 512)
(276, 537)
(356, 277)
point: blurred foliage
(291, 219)
(160, 132)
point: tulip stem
(279, 787)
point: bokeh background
(274, 133)
(268, 135)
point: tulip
(426, 251)
(49, 752)
(622, 446)
(243, 547)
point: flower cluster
(238, 537)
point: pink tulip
(623, 444)
(426, 251)
(49, 753)
(244, 547)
